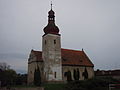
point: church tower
(51, 50)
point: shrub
(97, 83)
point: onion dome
(51, 28)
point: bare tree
(4, 66)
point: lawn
(54, 86)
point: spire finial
(82, 49)
(51, 5)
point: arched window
(85, 74)
(54, 41)
(69, 76)
(76, 74)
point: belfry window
(54, 41)
(31, 72)
(51, 19)
(45, 42)
(55, 74)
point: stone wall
(31, 69)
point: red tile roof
(74, 57)
(38, 55)
(70, 58)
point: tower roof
(51, 28)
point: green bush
(54, 86)
(97, 83)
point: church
(57, 64)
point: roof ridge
(71, 49)
(35, 50)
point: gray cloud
(12, 56)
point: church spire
(51, 16)
(51, 28)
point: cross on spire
(51, 5)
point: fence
(114, 86)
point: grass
(23, 86)
(57, 86)
(54, 86)
(47, 86)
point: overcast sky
(93, 25)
